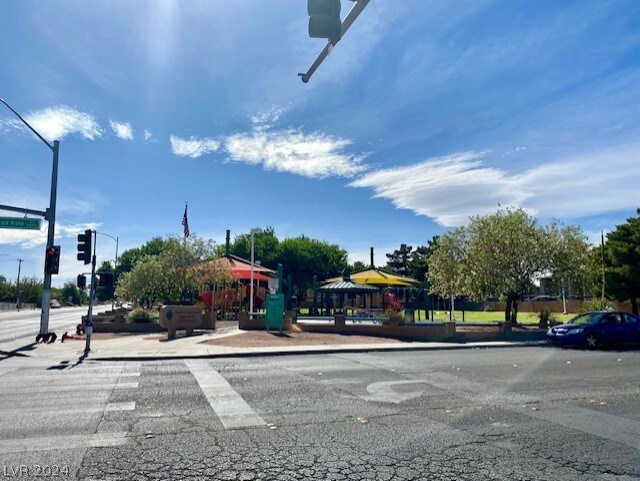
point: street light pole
(116, 239)
(50, 217)
(256, 230)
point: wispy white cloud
(450, 189)
(192, 147)
(122, 129)
(265, 120)
(311, 155)
(447, 189)
(55, 123)
(147, 134)
(29, 238)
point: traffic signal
(84, 247)
(52, 260)
(106, 279)
(82, 281)
(324, 19)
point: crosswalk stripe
(55, 411)
(73, 377)
(232, 410)
(24, 445)
(75, 387)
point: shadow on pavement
(19, 352)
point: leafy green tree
(357, 266)
(144, 283)
(411, 262)
(419, 263)
(169, 276)
(448, 264)
(7, 290)
(622, 260)
(303, 258)
(31, 290)
(506, 250)
(128, 258)
(179, 258)
(266, 247)
(71, 293)
(570, 251)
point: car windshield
(586, 318)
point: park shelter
(333, 294)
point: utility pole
(18, 285)
(602, 259)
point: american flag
(185, 222)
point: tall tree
(303, 258)
(447, 263)
(128, 258)
(570, 251)
(419, 263)
(398, 260)
(506, 250)
(266, 247)
(357, 266)
(622, 260)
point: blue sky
(426, 112)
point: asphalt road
(25, 325)
(495, 414)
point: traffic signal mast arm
(355, 11)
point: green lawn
(480, 316)
(490, 316)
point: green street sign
(19, 223)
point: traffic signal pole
(356, 10)
(51, 219)
(88, 328)
(50, 216)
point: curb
(283, 353)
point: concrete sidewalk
(147, 347)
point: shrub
(546, 317)
(597, 305)
(143, 315)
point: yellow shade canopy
(378, 277)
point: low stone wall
(498, 333)
(139, 327)
(414, 332)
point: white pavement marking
(603, 425)
(77, 387)
(48, 410)
(383, 392)
(25, 445)
(232, 410)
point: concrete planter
(139, 327)
(247, 324)
(173, 318)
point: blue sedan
(594, 329)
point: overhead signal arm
(355, 11)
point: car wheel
(591, 341)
